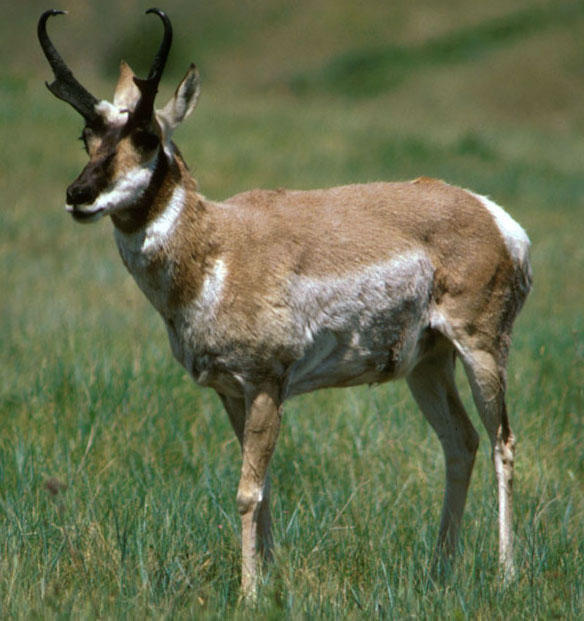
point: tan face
(123, 139)
(122, 157)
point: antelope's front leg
(262, 423)
(235, 408)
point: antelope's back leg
(433, 387)
(487, 376)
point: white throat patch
(157, 232)
(127, 189)
(162, 227)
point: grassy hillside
(118, 475)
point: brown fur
(328, 233)
(273, 293)
(266, 238)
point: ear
(182, 104)
(127, 94)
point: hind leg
(486, 373)
(433, 387)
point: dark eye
(86, 136)
(83, 139)
(145, 140)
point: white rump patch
(513, 233)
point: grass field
(118, 474)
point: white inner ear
(181, 104)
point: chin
(85, 217)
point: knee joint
(248, 499)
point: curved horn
(149, 86)
(65, 86)
(160, 58)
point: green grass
(118, 475)
(366, 72)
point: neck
(164, 240)
(165, 176)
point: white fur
(213, 287)
(154, 284)
(440, 323)
(514, 235)
(126, 190)
(111, 113)
(352, 328)
(135, 247)
(193, 325)
(162, 227)
(356, 297)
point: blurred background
(296, 93)
(443, 71)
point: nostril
(78, 194)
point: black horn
(149, 86)
(160, 58)
(65, 86)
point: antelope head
(127, 140)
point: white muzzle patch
(124, 192)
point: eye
(84, 141)
(85, 137)
(144, 139)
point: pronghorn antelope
(270, 294)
